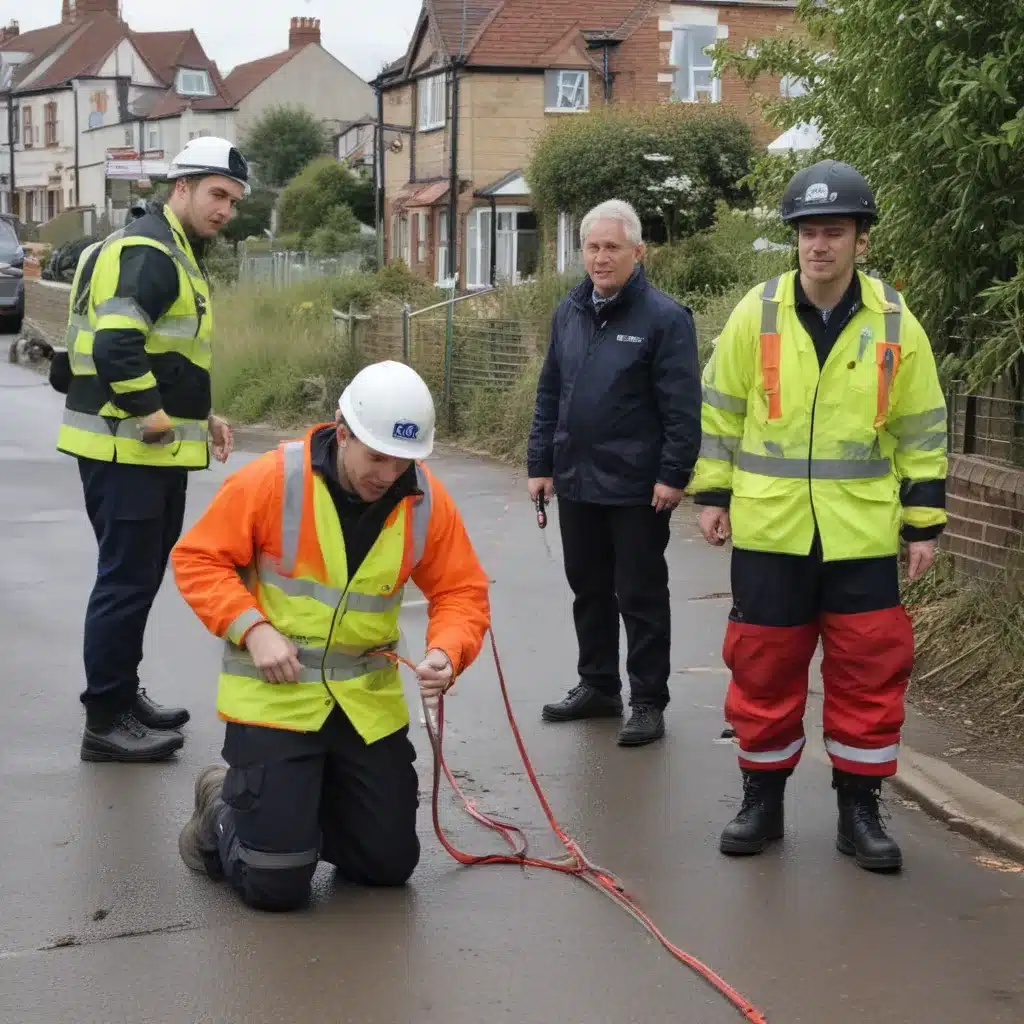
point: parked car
(12, 279)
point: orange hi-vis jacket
(269, 548)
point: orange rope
(575, 862)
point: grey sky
(360, 34)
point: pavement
(102, 924)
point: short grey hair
(617, 210)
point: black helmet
(829, 189)
(138, 209)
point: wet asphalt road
(100, 922)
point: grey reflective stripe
(420, 516)
(291, 511)
(714, 447)
(774, 448)
(917, 423)
(892, 320)
(373, 602)
(322, 592)
(262, 860)
(326, 594)
(245, 621)
(769, 307)
(119, 306)
(130, 427)
(818, 469)
(337, 667)
(720, 400)
(928, 441)
(177, 326)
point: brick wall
(46, 305)
(985, 502)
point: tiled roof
(246, 77)
(524, 32)
(88, 43)
(517, 32)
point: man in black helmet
(824, 439)
(138, 419)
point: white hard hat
(388, 407)
(210, 155)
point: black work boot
(761, 818)
(583, 701)
(197, 841)
(154, 716)
(120, 736)
(645, 725)
(861, 833)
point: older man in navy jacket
(616, 433)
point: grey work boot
(197, 842)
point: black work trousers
(615, 565)
(293, 799)
(137, 514)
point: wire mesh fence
(281, 269)
(462, 358)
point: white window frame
(432, 102)
(153, 137)
(201, 78)
(569, 251)
(441, 249)
(480, 216)
(680, 38)
(791, 87)
(421, 237)
(563, 90)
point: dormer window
(191, 82)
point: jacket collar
(582, 294)
(180, 236)
(871, 295)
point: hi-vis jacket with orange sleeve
(270, 548)
(852, 450)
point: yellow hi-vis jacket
(177, 353)
(850, 449)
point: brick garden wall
(985, 502)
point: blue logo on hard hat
(405, 431)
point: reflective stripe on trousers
(131, 427)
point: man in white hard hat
(300, 564)
(138, 419)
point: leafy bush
(938, 129)
(283, 141)
(671, 162)
(318, 190)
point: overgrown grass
(279, 359)
(970, 648)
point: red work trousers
(782, 604)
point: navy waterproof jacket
(619, 397)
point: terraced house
(458, 114)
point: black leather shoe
(125, 738)
(761, 816)
(156, 717)
(583, 701)
(645, 725)
(861, 834)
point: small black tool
(542, 516)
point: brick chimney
(10, 32)
(84, 8)
(303, 31)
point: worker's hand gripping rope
(574, 862)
